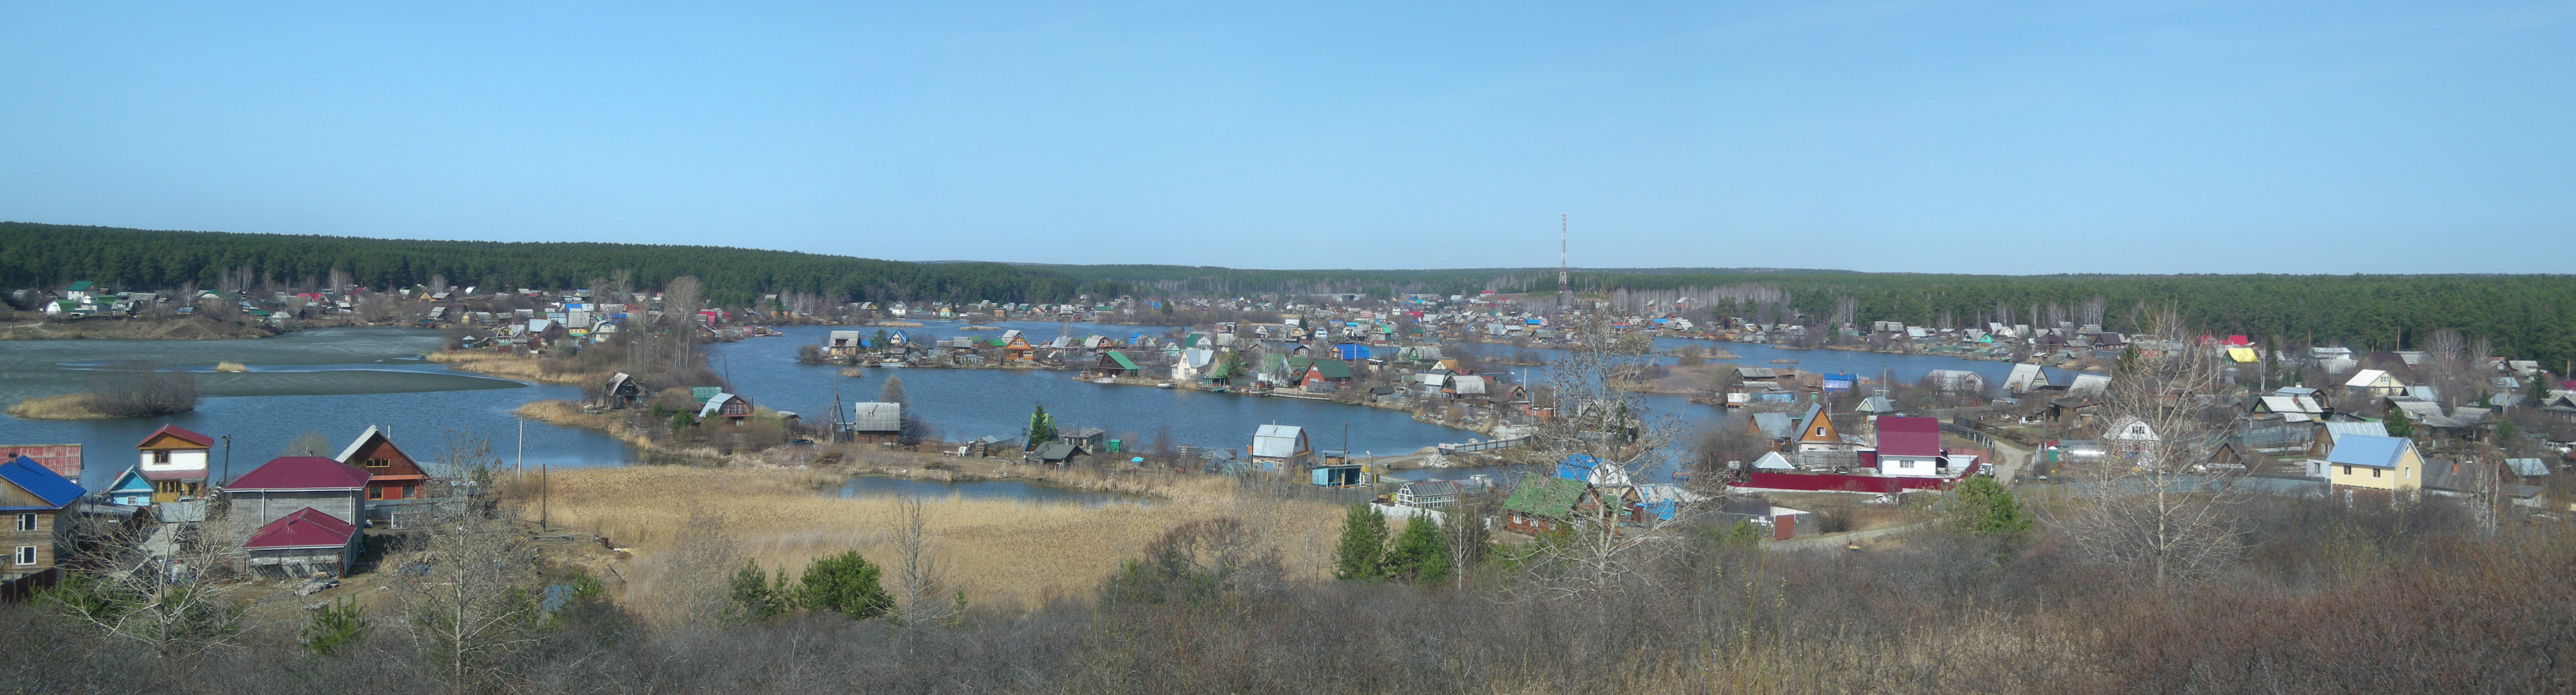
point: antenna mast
(1564, 297)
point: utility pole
(1564, 296)
(227, 473)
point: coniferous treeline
(48, 255)
(2523, 316)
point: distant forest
(2523, 316)
(49, 255)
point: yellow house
(2377, 463)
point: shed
(305, 542)
(876, 418)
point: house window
(26, 555)
(26, 522)
(375, 493)
(2374, 472)
(161, 456)
(404, 492)
(2347, 470)
(379, 463)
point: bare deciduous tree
(923, 592)
(166, 586)
(2154, 507)
(467, 590)
(1610, 428)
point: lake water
(338, 381)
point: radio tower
(1564, 296)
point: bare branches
(2154, 506)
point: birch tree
(2155, 507)
(1597, 421)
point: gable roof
(1546, 496)
(2366, 450)
(1121, 359)
(300, 473)
(182, 433)
(1774, 425)
(1909, 436)
(304, 528)
(1818, 427)
(876, 417)
(2336, 431)
(2368, 377)
(1276, 441)
(42, 482)
(361, 442)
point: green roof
(702, 393)
(82, 286)
(1121, 358)
(998, 342)
(1333, 369)
(1220, 370)
(1550, 497)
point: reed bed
(1005, 553)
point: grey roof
(1086, 432)
(1775, 425)
(1876, 404)
(1434, 488)
(1276, 441)
(2336, 431)
(876, 417)
(1055, 451)
(2527, 467)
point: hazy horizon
(2295, 138)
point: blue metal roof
(2366, 450)
(43, 483)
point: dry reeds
(1006, 553)
(231, 367)
(69, 406)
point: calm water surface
(338, 381)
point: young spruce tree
(1362, 553)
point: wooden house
(621, 391)
(1089, 440)
(283, 485)
(731, 407)
(1817, 433)
(173, 462)
(1112, 363)
(875, 422)
(391, 474)
(1281, 447)
(1542, 503)
(35, 503)
(63, 459)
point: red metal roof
(301, 473)
(1909, 436)
(305, 528)
(180, 432)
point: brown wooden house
(391, 474)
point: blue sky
(2011, 137)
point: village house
(172, 467)
(35, 503)
(2374, 383)
(65, 460)
(286, 484)
(875, 422)
(2375, 463)
(732, 408)
(1910, 446)
(1281, 447)
(391, 474)
(1817, 433)
(621, 391)
(1542, 503)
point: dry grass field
(1007, 554)
(69, 406)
